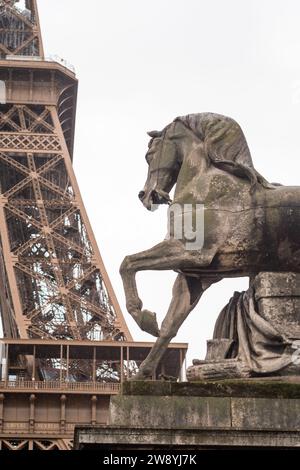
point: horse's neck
(194, 155)
(199, 181)
(194, 177)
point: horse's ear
(154, 134)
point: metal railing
(61, 61)
(58, 385)
(52, 58)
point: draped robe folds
(256, 342)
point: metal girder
(53, 282)
(22, 23)
(45, 214)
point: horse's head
(164, 166)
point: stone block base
(233, 414)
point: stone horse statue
(250, 225)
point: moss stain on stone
(223, 388)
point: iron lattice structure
(36, 444)
(53, 283)
(20, 32)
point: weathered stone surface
(153, 388)
(278, 297)
(218, 349)
(120, 438)
(271, 284)
(266, 413)
(255, 332)
(170, 412)
(263, 413)
(218, 370)
(250, 388)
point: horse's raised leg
(186, 293)
(166, 255)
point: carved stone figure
(249, 226)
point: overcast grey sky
(140, 64)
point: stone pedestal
(267, 324)
(241, 413)
(278, 299)
(192, 416)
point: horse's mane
(225, 144)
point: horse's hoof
(148, 323)
(167, 378)
(139, 377)
(197, 362)
(142, 375)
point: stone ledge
(182, 412)
(170, 412)
(121, 438)
(227, 413)
(249, 388)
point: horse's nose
(141, 195)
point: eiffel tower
(66, 348)
(53, 283)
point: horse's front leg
(186, 294)
(166, 255)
